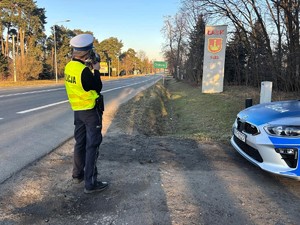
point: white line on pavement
(42, 107)
(125, 86)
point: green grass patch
(209, 117)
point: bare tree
(192, 10)
(268, 31)
(175, 33)
(169, 33)
(291, 20)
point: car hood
(271, 112)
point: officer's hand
(96, 66)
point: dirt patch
(155, 178)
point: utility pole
(14, 58)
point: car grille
(252, 152)
(246, 127)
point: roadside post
(248, 102)
(266, 92)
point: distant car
(122, 73)
(268, 135)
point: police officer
(83, 89)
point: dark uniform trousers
(88, 137)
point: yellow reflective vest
(78, 97)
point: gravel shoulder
(154, 178)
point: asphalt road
(36, 120)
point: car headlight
(283, 131)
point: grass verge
(208, 117)
(182, 110)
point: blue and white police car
(268, 135)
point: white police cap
(82, 42)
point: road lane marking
(1, 118)
(65, 101)
(42, 107)
(127, 85)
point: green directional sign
(160, 65)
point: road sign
(103, 67)
(160, 65)
(214, 59)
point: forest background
(262, 42)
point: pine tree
(194, 64)
(236, 60)
(24, 21)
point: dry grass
(28, 83)
(42, 82)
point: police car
(268, 135)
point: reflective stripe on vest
(78, 97)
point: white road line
(1, 118)
(42, 107)
(58, 103)
(126, 86)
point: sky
(137, 23)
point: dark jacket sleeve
(91, 81)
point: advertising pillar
(214, 59)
